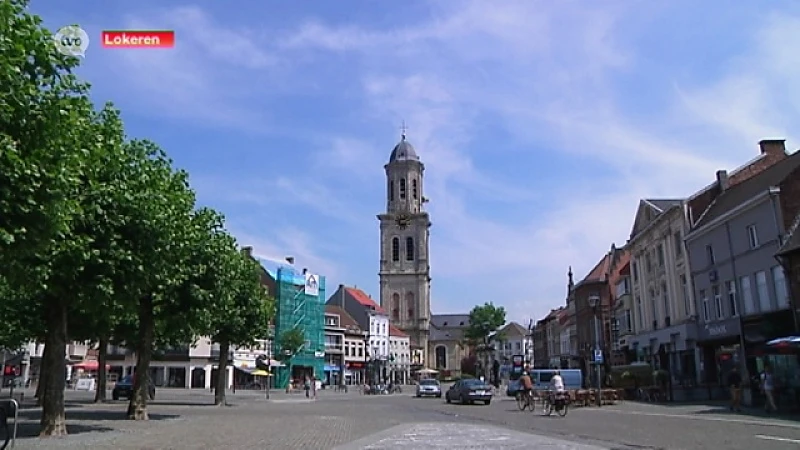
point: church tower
(404, 267)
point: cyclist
(526, 385)
(556, 384)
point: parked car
(124, 388)
(429, 388)
(469, 391)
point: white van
(573, 378)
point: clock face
(403, 221)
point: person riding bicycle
(556, 384)
(525, 384)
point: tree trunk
(102, 376)
(222, 373)
(43, 369)
(137, 408)
(53, 421)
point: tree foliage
(100, 237)
(483, 321)
(290, 342)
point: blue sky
(541, 123)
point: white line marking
(690, 416)
(776, 438)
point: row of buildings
(701, 285)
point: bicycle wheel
(531, 403)
(521, 402)
(548, 408)
(562, 410)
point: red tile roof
(394, 331)
(364, 299)
(345, 319)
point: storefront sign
(719, 330)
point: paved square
(459, 435)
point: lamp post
(367, 347)
(529, 349)
(594, 303)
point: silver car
(429, 388)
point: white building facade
(663, 308)
(399, 356)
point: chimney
(722, 180)
(248, 250)
(772, 146)
(341, 295)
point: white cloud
(282, 243)
(544, 70)
(554, 80)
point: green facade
(298, 305)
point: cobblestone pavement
(184, 419)
(457, 435)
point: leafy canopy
(290, 342)
(235, 306)
(484, 320)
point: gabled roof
(792, 243)
(345, 319)
(513, 329)
(448, 327)
(655, 207)
(737, 194)
(363, 299)
(394, 331)
(450, 320)
(599, 271)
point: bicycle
(525, 401)
(556, 401)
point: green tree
(484, 320)
(46, 134)
(156, 239)
(290, 342)
(237, 310)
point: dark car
(124, 388)
(469, 391)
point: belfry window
(390, 189)
(395, 249)
(409, 249)
(402, 188)
(414, 190)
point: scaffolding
(300, 305)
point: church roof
(364, 300)
(403, 151)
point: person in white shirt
(557, 383)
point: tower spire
(403, 129)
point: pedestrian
(307, 387)
(314, 387)
(735, 385)
(768, 388)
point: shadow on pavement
(30, 430)
(93, 415)
(748, 412)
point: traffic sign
(598, 356)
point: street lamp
(529, 349)
(367, 348)
(594, 303)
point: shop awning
(788, 344)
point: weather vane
(403, 129)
